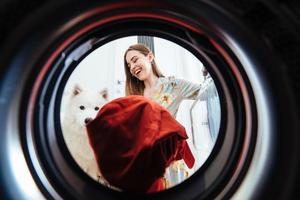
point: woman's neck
(150, 82)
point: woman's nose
(132, 67)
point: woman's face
(139, 65)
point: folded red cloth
(134, 140)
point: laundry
(134, 140)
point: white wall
(103, 68)
(177, 61)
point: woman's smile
(137, 71)
(139, 64)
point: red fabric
(134, 139)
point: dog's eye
(81, 107)
(96, 108)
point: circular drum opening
(100, 78)
(214, 164)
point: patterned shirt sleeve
(187, 89)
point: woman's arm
(187, 89)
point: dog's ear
(104, 94)
(77, 89)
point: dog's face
(84, 105)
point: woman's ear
(150, 56)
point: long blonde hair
(133, 86)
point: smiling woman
(144, 77)
(141, 70)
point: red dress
(134, 140)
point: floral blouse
(170, 92)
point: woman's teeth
(137, 72)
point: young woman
(143, 77)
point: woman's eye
(81, 107)
(96, 108)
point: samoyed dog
(80, 106)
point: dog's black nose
(87, 120)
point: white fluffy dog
(81, 107)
